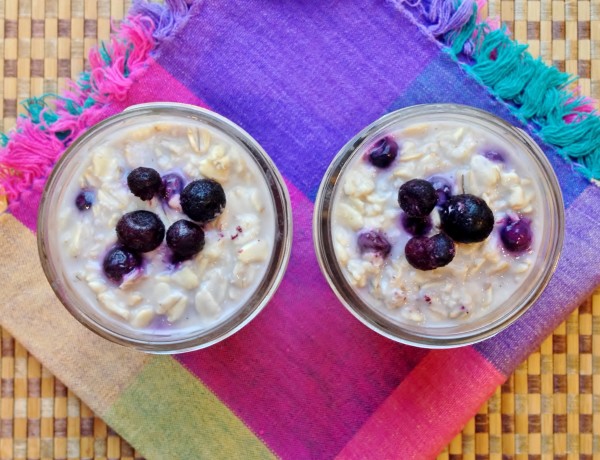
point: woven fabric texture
(547, 409)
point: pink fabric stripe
(428, 408)
(159, 86)
(306, 357)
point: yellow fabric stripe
(168, 413)
(94, 368)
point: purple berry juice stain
(443, 187)
(160, 323)
(374, 242)
(171, 184)
(494, 156)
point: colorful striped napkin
(304, 379)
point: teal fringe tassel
(41, 113)
(538, 93)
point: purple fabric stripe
(302, 77)
(578, 273)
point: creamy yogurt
(482, 275)
(195, 294)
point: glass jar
(72, 286)
(360, 297)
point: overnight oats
(439, 225)
(166, 228)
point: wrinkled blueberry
(516, 235)
(118, 262)
(467, 218)
(443, 187)
(85, 200)
(185, 238)
(416, 226)
(172, 184)
(383, 152)
(417, 197)
(142, 231)
(203, 200)
(144, 182)
(374, 241)
(425, 253)
(494, 155)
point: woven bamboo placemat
(548, 409)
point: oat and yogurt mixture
(436, 223)
(166, 225)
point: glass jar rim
(322, 234)
(275, 269)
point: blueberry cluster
(464, 218)
(140, 231)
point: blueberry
(375, 242)
(118, 262)
(425, 253)
(516, 235)
(416, 226)
(417, 197)
(171, 185)
(383, 152)
(85, 199)
(142, 231)
(144, 182)
(443, 187)
(494, 155)
(203, 200)
(466, 218)
(443, 249)
(185, 238)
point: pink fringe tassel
(587, 105)
(493, 22)
(33, 149)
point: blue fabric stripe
(577, 274)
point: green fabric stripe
(181, 418)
